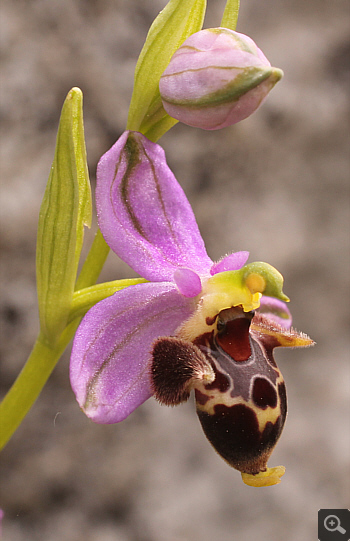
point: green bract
(230, 16)
(65, 209)
(86, 298)
(178, 20)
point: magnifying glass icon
(332, 524)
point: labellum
(239, 391)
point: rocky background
(276, 185)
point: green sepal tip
(176, 22)
(65, 209)
(230, 16)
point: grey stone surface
(277, 185)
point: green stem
(44, 357)
(30, 382)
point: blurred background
(276, 184)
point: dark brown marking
(272, 432)
(201, 398)
(282, 393)
(211, 320)
(234, 433)
(264, 395)
(204, 340)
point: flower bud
(216, 78)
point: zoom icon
(334, 525)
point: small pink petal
(188, 282)
(233, 261)
(275, 310)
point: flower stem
(44, 357)
(30, 382)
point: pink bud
(216, 78)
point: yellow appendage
(272, 476)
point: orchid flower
(170, 334)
